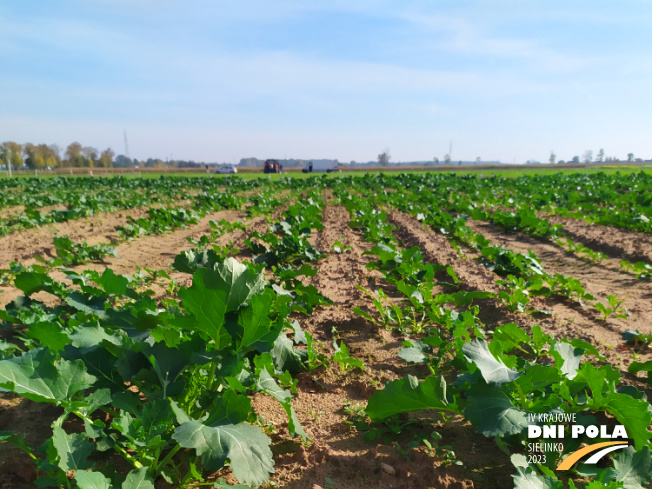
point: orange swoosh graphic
(575, 456)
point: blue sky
(211, 80)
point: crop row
(497, 385)
(88, 197)
(165, 383)
(154, 368)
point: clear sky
(212, 80)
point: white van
(320, 166)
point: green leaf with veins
(88, 304)
(36, 376)
(493, 371)
(229, 408)
(113, 284)
(93, 480)
(413, 354)
(633, 468)
(253, 321)
(491, 411)
(567, 358)
(408, 394)
(600, 380)
(49, 334)
(510, 336)
(238, 281)
(207, 304)
(633, 414)
(537, 378)
(588, 348)
(285, 356)
(32, 282)
(267, 384)
(73, 449)
(244, 445)
(299, 334)
(168, 364)
(138, 479)
(91, 335)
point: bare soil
(569, 318)
(622, 244)
(23, 246)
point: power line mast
(126, 145)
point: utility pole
(9, 161)
(450, 151)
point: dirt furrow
(475, 277)
(437, 249)
(613, 242)
(568, 319)
(22, 246)
(338, 451)
(11, 211)
(338, 276)
(153, 251)
(600, 281)
(158, 251)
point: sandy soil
(24, 245)
(153, 252)
(11, 211)
(613, 242)
(569, 318)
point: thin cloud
(188, 78)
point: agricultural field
(408, 330)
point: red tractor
(272, 166)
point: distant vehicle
(226, 169)
(320, 166)
(272, 166)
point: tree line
(43, 156)
(600, 157)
